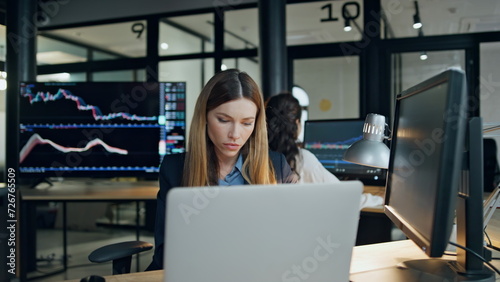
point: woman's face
(230, 125)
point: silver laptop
(261, 233)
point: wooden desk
(377, 191)
(364, 259)
(74, 191)
(93, 191)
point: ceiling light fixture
(347, 25)
(423, 56)
(417, 23)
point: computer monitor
(99, 129)
(329, 139)
(434, 148)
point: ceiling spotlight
(423, 56)
(347, 25)
(223, 67)
(417, 23)
(164, 46)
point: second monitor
(329, 139)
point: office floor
(80, 245)
(85, 234)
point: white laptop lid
(261, 233)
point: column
(273, 57)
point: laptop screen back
(261, 233)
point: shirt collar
(235, 177)
(239, 163)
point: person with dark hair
(227, 145)
(283, 114)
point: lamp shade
(370, 151)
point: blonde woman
(227, 146)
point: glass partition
(121, 75)
(324, 23)
(52, 52)
(440, 17)
(489, 91)
(61, 77)
(416, 67)
(332, 85)
(3, 46)
(125, 39)
(186, 34)
(241, 29)
(97, 56)
(411, 68)
(248, 65)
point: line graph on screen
(81, 105)
(99, 129)
(36, 139)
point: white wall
(332, 85)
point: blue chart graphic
(328, 140)
(64, 94)
(338, 145)
(102, 129)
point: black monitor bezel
(366, 179)
(450, 164)
(141, 173)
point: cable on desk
(487, 237)
(477, 255)
(489, 243)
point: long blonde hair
(201, 167)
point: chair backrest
(491, 167)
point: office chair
(490, 163)
(120, 253)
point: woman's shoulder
(309, 159)
(173, 161)
(178, 156)
(282, 170)
(277, 158)
(306, 154)
(274, 154)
